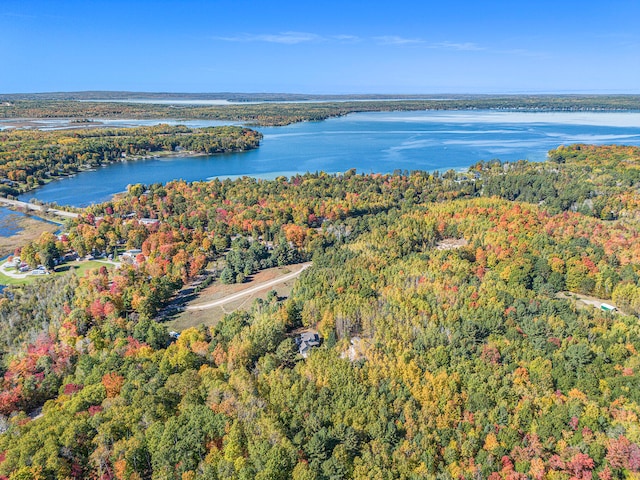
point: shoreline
(59, 208)
(154, 156)
(34, 207)
(269, 114)
(66, 122)
(170, 154)
(32, 227)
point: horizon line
(309, 94)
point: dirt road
(585, 299)
(249, 291)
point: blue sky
(454, 46)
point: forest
(273, 112)
(452, 346)
(29, 158)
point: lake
(369, 142)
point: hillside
(448, 348)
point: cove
(380, 142)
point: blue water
(9, 222)
(369, 142)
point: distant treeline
(28, 158)
(229, 96)
(274, 114)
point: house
(40, 270)
(130, 255)
(148, 221)
(306, 341)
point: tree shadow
(65, 268)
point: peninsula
(29, 158)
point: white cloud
(295, 38)
(345, 38)
(397, 40)
(284, 38)
(466, 46)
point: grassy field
(79, 268)
(211, 316)
(4, 280)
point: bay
(380, 142)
